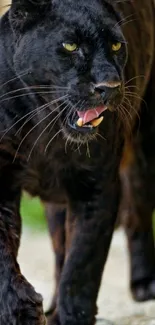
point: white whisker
(13, 79)
(29, 113)
(30, 93)
(47, 126)
(52, 140)
(34, 128)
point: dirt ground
(3, 4)
(114, 301)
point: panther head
(77, 52)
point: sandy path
(114, 301)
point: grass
(32, 212)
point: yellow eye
(70, 47)
(116, 46)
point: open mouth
(89, 120)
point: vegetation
(32, 212)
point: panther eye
(116, 47)
(70, 47)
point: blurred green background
(32, 212)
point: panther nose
(106, 90)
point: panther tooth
(79, 122)
(97, 121)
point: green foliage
(32, 212)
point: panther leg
(136, 214)
(19, 303)
(56, 217)
(61, 228)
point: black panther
(76, 113)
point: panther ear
(24, 12)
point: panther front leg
(94, 225)
(19, 303)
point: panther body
(75, 81)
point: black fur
(43, 153)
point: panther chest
(55, 177)
(45, 178)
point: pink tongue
(91, 114)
